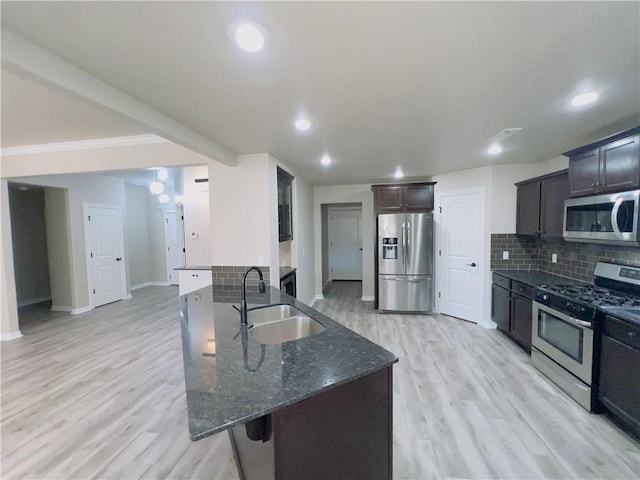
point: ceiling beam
(27, 59)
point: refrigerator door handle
(408, 257)
(404, 245)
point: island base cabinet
(345, 432)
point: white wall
(155, 225)
(59, 247)
(9, 328)
(101, 159)
(137, 236)
(347, 194)
(81, 189)
(302, 245)
(242, 230)
(197, 216)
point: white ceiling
(423, 85)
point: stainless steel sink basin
(281, 323)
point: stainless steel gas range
(566, 325)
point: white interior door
(460, 237)
(106, 241)
(173, 251)
(345, 243)
(180, 234)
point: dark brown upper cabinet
(609, 165)
(540, 205)
(285, 218)
(404, 197)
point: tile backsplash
(575, 260)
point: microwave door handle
(614, 217)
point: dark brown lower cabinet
(344, 432)
(521, 320)
(511, 309)
(500, 307)
(619, 386)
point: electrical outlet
(505, 255)
(196, 297)
(554, 258)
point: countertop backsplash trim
(575, 260)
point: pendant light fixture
(156, 188)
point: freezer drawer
(405, 293)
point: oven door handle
(581, 323)
(614, 217)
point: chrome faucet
(243, 298)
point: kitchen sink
(281, 323)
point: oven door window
(565, 337)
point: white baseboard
(77, 311)
(318, 297)
(150, 284)
(367, 298)
(128, 296)
(5, 337)
(33, 301)
(60, 308)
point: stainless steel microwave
(610, 218)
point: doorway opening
(41, 246)
(341, 242)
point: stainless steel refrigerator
(405, 262)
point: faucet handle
(261, 286)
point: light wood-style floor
(101, 395)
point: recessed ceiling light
(398, 173)
(326, 160)
(302, 124)
(495, 149)
(249, 36)
(584, 99)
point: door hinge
(439, 294)
(91, 254)
(89, 216)
(94, 291)
(182, 217)
(168, 249)
(184, 250)
(440, 253)
(440, 208)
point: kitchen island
(317, 407)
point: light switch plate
(194, 235)
(554, 258)
(505, 255)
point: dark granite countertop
(194, 267)
(630, 314)
(284, 271)
(231, 379)
(536, 278)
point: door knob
(360, 249)
(118, 259)
(472, 264)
